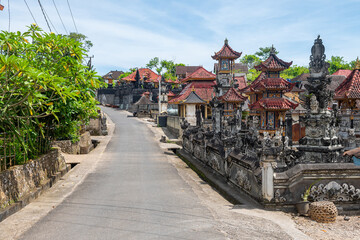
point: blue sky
(129, 33)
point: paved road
(133, 194)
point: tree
(264, 53)
(336, 63)
(45, 88)
(294, 71)
(153, 63)
(250, 60)
(168, 65)
(252, 74)
(82, 39)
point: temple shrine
(196, 95)
(266, 94)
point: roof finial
(272, 50)
(357, 65)
(226, 41)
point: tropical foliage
(160, 65)
(45, 89)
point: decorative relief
(243, 181)
(278, 198)
(333, 191)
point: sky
(128, 34)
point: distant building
(112, 76)
(184, 71)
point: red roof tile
(241, 82)
(226, 52)
(204, 89)
(273, 63)
(200, 74)
(232, 96)
(342, 72)
(171, 94)
(144, 73)
(272, 84)
(273, 104)
(350, 87)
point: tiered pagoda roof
(226, 52)
(232, 96)
(143, 73)
(204, 90)
(273, 104)
(200, 74)
(350, 87)
(272, 84)
(273, 63)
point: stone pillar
(267, 171)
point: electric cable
(60, 17)
(31, 12)
(72, 16)
(50, 21)
(44, 15)
(9, 13)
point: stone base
(21, 184)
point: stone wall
(21, 181)
(173, 125)
(67, 146)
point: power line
(31, 12)
(44, 15)
(72, 16)
(9, 13)
(51, 22)
(60, 17)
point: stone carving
(333, 191)
(314, 104)
(278, 198)
(243, 180)
(214, 164)
(317, 59)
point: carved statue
(314, 104)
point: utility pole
(89, 62)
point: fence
(20, 148)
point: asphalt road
(134, 193)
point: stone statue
(198, 117)
(314, 104)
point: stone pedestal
(267, 170)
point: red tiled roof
(273, 104)
(226, 52)
(143, 73)
(261, 76)
(200, 74)
(272, 84)
(171, 94)
(273, 63)
(184, 70)
(241, 82)
(350, 87)
(232, 96)
(342, 72)
(204, 89)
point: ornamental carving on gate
(242, 180)
(335, 192)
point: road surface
(133, 194)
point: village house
(112, 77)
